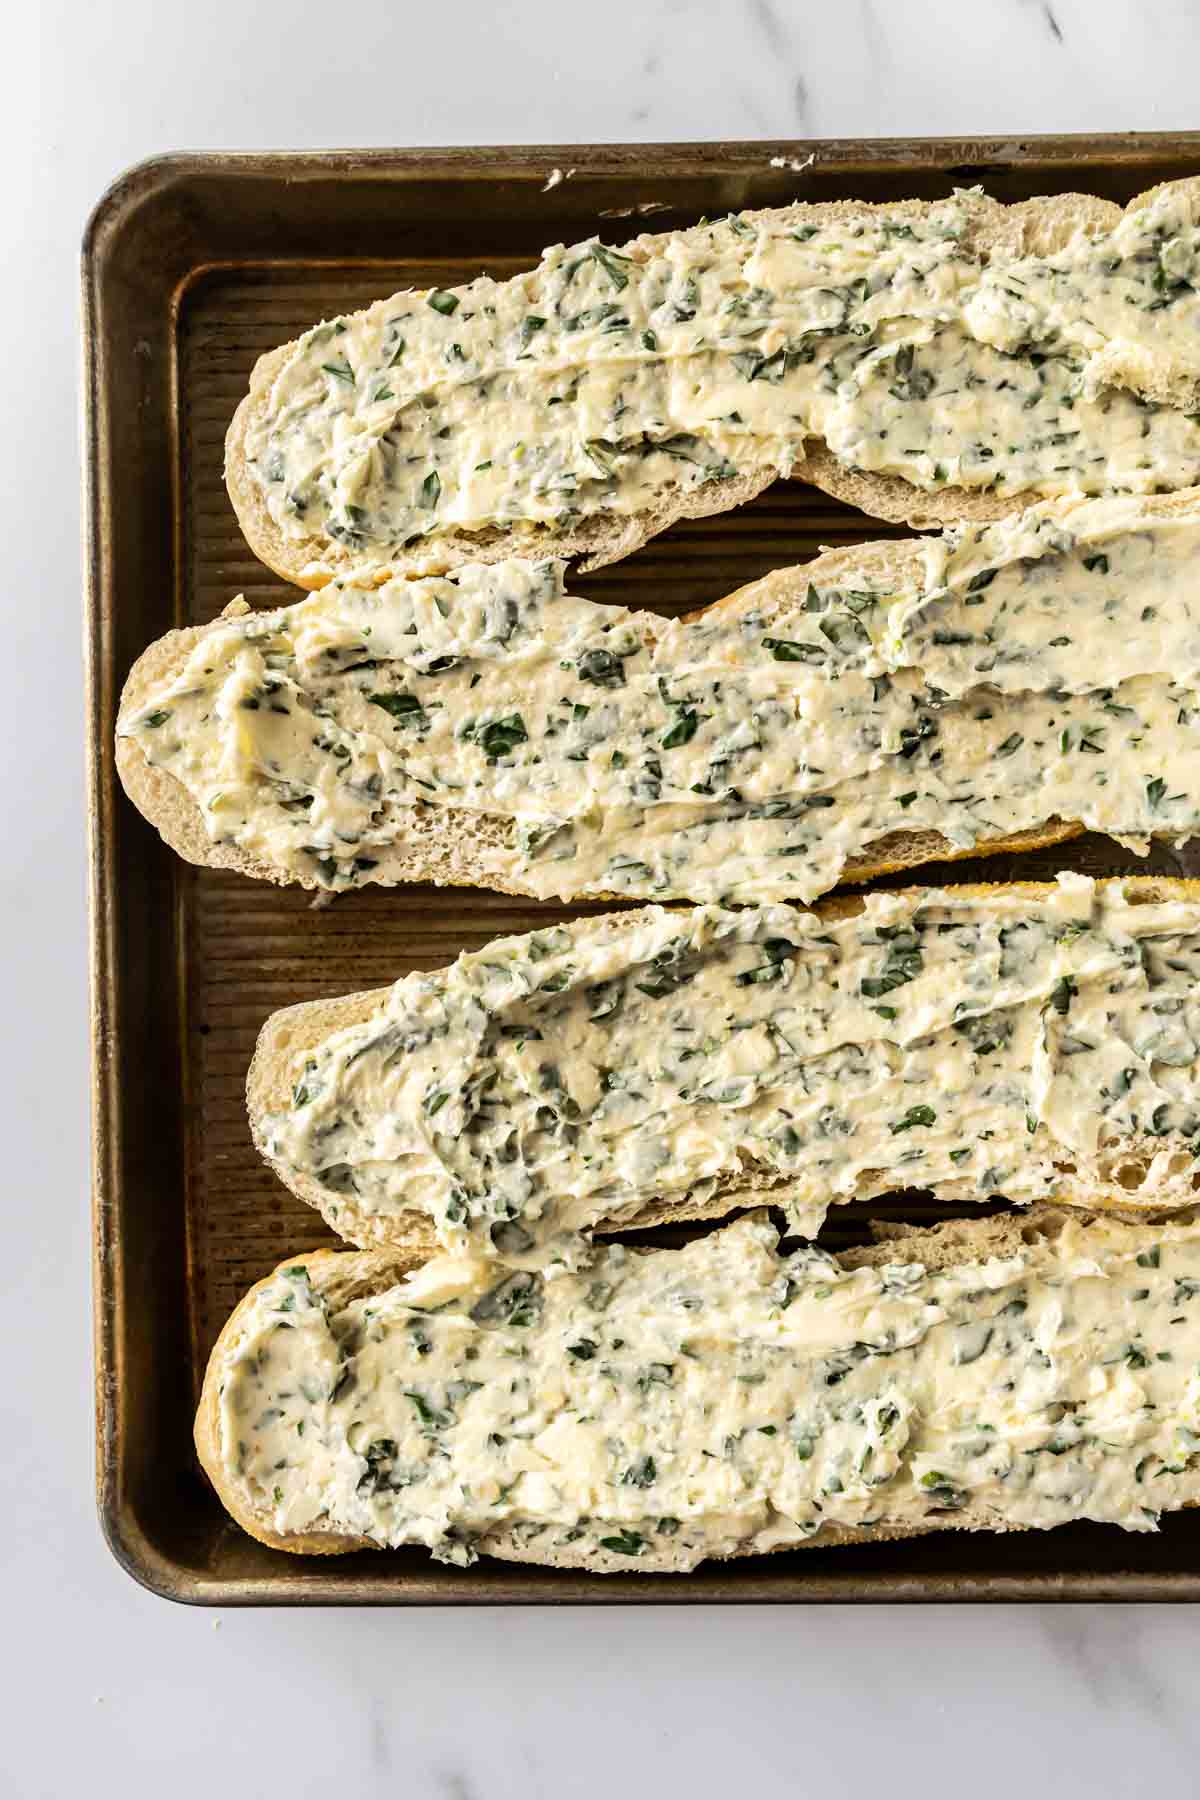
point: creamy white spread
(1042, 667)
(974, 1047)
(720, 1397)
(599, 384)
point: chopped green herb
(406, 709)
(682, 731)
(916, 1115)
(501, 736)
(625, 1543)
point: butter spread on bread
(602, 383)
(1027, 1042)
(653, 1409)
(974, 686)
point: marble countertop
(107, 1686)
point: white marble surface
(104, 1685)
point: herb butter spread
(601, 383)
(1043, 667)
(971, 1046)
(721, 1398)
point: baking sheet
(192, 268)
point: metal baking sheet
(192, 266)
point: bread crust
(295, 1030)
(339, 1276)
(1028, 227)
(342, 1275)
(451, 857)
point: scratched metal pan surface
(192, 267)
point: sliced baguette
(343, 1276)
(1030, 227)
(449, 847)
(290, 1035)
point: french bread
(1037, 1041)
(657, 1408)
(925, 361)
(990, 689)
